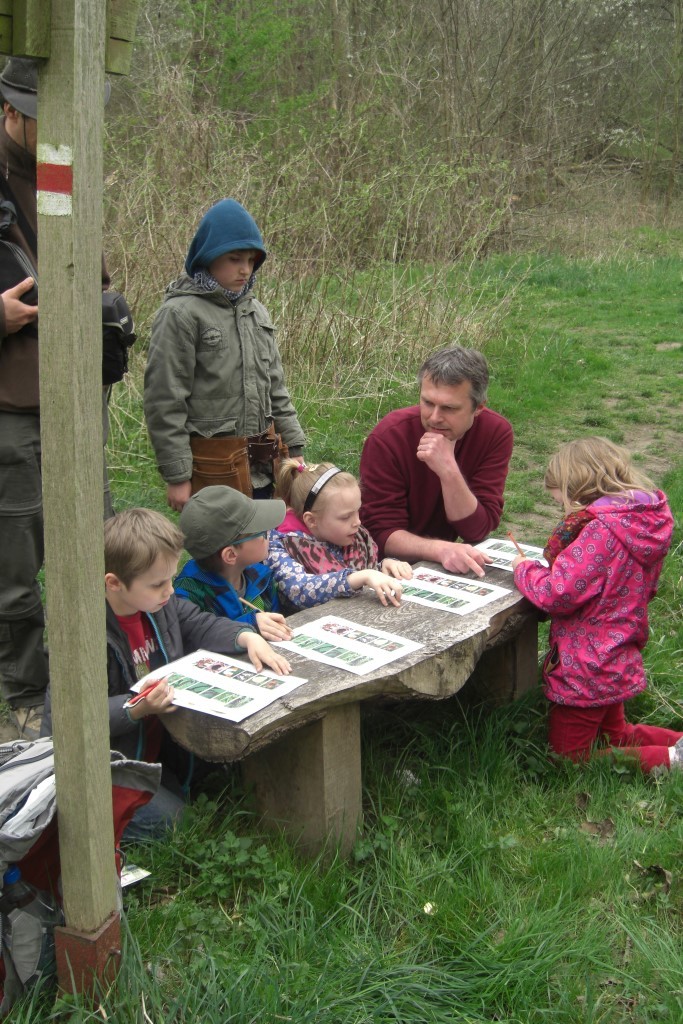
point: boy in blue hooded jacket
(215, 397)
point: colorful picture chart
(345, 644)
(221, 686)
(503, 552)
(448, 593)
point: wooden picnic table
(301, 754)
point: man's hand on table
(463, 558)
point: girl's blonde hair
(588, 469)
(294, 484)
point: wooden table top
(452, 646)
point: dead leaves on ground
(603, 830)
(651, 881)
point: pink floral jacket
(596, 593)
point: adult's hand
(18, 313)
(436, 451)
(464, 558)
(178, 495)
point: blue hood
(225, 227)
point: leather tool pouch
(263, 447)
(267, 447)
(220, 460)
(226, 460)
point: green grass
(481, 893)
(477, 895)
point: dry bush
(596, 214)
(348, 200)
(328, 193)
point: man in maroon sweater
(435, 472)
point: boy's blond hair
(295, 481)
(134, 539)
(590, 468)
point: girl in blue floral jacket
(320, 550)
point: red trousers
(574, 732)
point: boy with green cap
(227, 535)
(216, 404)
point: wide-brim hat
(219, 516)
(19, 86)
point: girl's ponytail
(285, 480)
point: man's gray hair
(452, 366)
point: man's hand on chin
(436, 451)
(463, 558)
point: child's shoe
(676, 755)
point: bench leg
(507, 671)
(309, 782)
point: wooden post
(70, 133)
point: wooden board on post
(69, 174)
(6, 19)
(31, 28)
(122, 16)
(25, 28)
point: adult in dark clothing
(23, 659)
(435, 472)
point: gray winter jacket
(213, 367)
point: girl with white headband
(320, 550)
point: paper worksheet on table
(348, 645)
(503, 552)
(221, 686)
(459, 594)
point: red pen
(132, 701)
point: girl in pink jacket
(604, 561)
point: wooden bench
(301, 754)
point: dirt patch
(535, 527)
(638, 440)
(667, 346)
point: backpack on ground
(32, 906)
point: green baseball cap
(216, 517)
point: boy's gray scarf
(203, 279)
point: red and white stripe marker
(55, 180)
